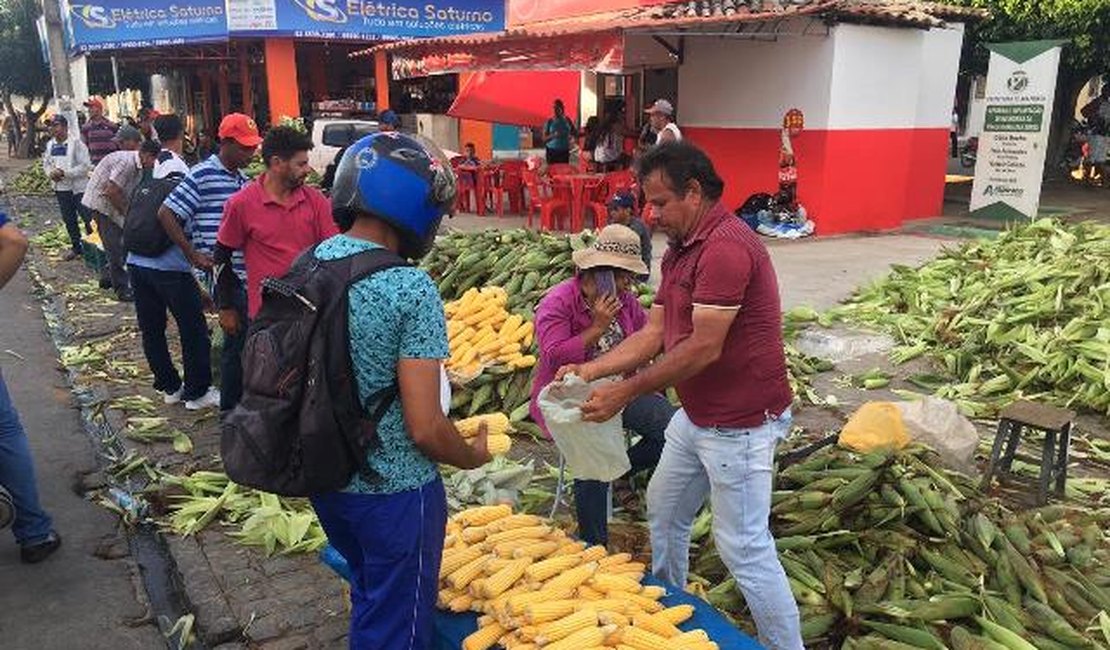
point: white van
(330, 134)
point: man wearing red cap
(98, 132)
(198, 204)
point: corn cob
(572, 578)
(517, 604)
(594, 553)
(482, 515)
(484, 638)
(647, 604)
(460, 603)
(655, 592)
(445, 596)
(503, 579)
(496, 424)
(506, 549)
(678, 614)
(543, 612)
(545, 569)
(652, 623)
(527, 532)
(464, 575)
(607, 605)
(570, 548)
(611, 560)
(514, 521)
(590, 636)
(537, 550)
(498, 445)
(565, 626)
(474, 534)
(587, 593)
(641, 639)
(693, 636)
(626, 567)
(456, 559)
(609, 617)
(608, 583)
(700, 645)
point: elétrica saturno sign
(113, 24)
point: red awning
(522, 98)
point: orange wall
(526, 11)
(381, 80)
(480, 133)
(281, 79)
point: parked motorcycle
(969, 152)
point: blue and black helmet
(403, 180)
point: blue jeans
(393, 544)
(647, 416)
(17, 474)
(231, 356)
(733, 467)
(156, 292)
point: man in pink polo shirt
(717, 321)
(271, 220)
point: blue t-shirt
(561, 127)
(393, 314)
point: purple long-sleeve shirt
(561, 318)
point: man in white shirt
(67, 164)
(661, 114)
(107, 195)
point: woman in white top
(610, 143)
(661, 114)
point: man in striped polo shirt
(198, 203)
(99, 132)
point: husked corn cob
(654, 592)
(503, 579)
(527, 532)
(497, 563)
(610, 560)
(609, 617)
(499, 445)
(646, 604)
(475, 588)
(481, 515)
(641, 639)
(572, 578)
(554, 565)
(584, 638)
(544, 612)
(485, 620)
(505, 549)
(454, 560)
(678, 614)
(474, 534)
(607, 605)
(496, 424)
(608, 582)
(586, 592)
(699, 645)
(485, 638)
(565, 626)
(537, 550)
(570, 548)
(627, 567)
(519, 602)
(445, 596)
(460, 603)
(594, 553)
(514, 521)
(652, 623)
(693, 636)
(463, 576)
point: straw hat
(616, 246)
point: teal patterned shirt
(393, 314)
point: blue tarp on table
(451, 629)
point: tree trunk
(27, 142)
(1068, 87)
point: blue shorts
(393, 544)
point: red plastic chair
(491, 188)
(560, 169)
(467, 191)
(595, 198)
(512, 183)
(542, 198)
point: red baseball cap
(95, 101)
(240, 128)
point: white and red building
(875, 80)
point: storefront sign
(115, 24)
(1020, 90)
(364, 20)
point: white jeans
(733, 468)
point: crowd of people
(713, 333)
(602, 139)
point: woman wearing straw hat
(580, 319)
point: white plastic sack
(594, 451)
(938, 423)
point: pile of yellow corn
(497, 427)
(539, 590)
(482, 333)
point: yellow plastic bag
(875, 425)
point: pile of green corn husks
(1027, 313)
(885, 551)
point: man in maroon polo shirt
(717, 321)
(271, 220)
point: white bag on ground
(593, 451)
(937, 423)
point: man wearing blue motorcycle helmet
(391, 191)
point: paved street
(86, 594)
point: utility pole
(55, 41)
